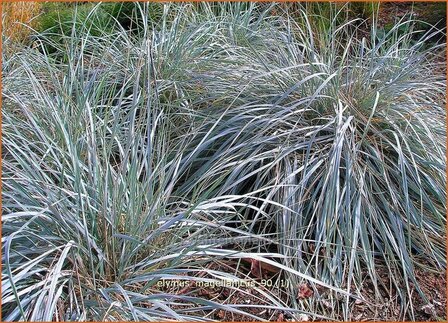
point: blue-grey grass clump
(221, 133)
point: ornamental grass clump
(213, 136)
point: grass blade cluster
(135, 156)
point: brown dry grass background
(15, 17)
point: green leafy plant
(60, 20)
(129, 15)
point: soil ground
(432, 284)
